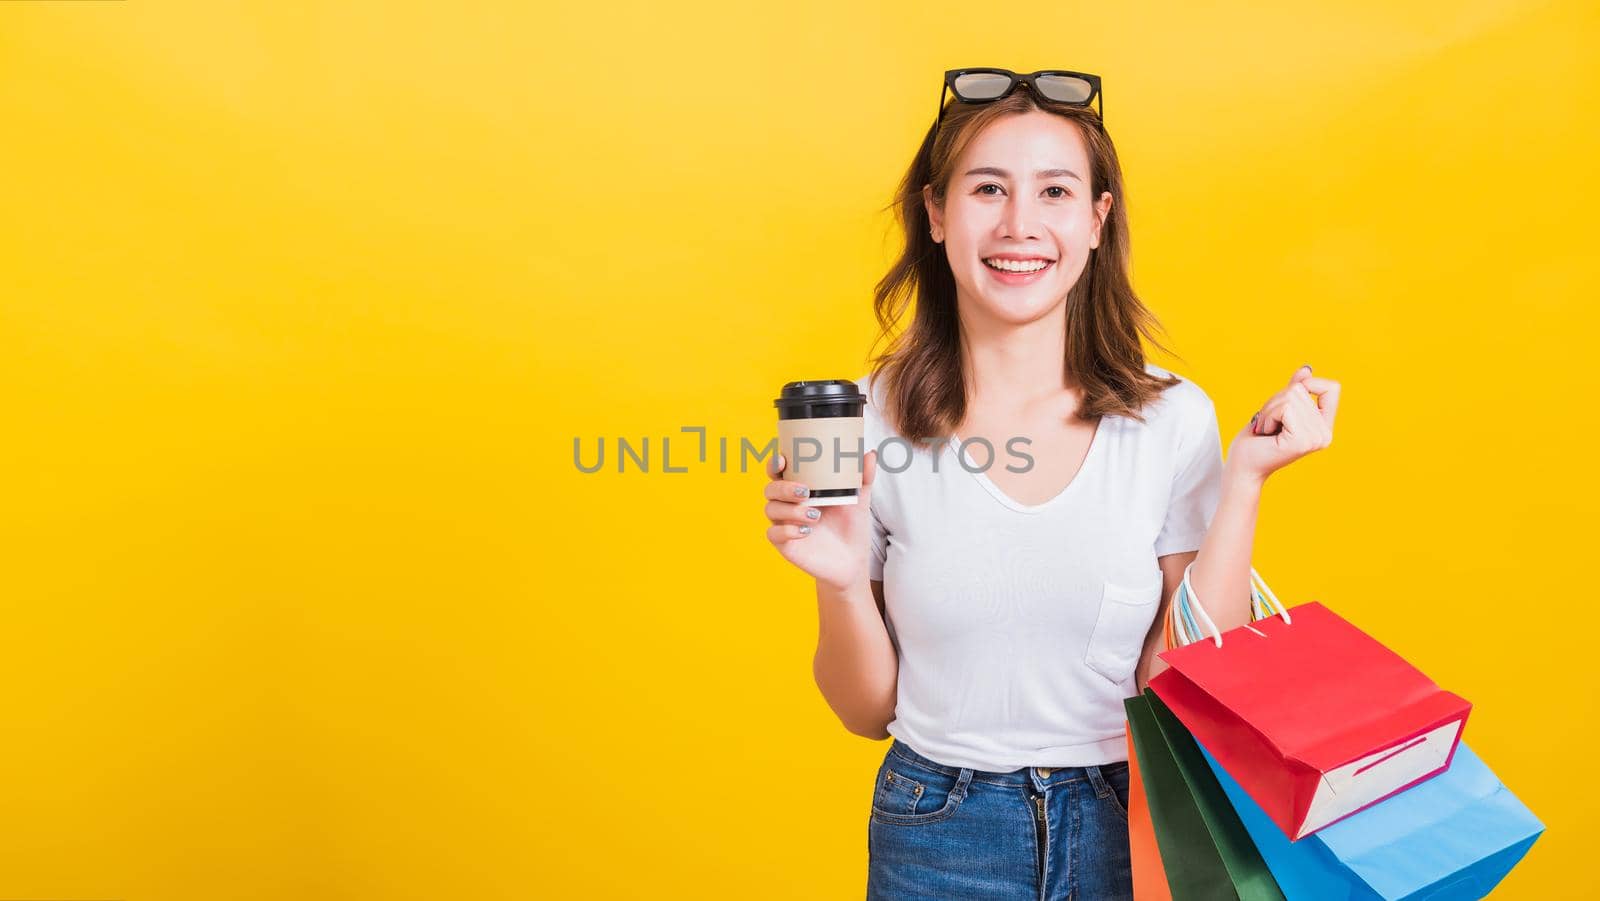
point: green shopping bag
(1205, 849)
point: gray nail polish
(805, 530)
(801, 491)
(813, 513)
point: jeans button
(1044, 772)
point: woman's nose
(1020, 219)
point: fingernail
(805, 530)
(1306, 366)
(813, 513)
(801, 491)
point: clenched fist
(1292, 423)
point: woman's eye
(1064, 191)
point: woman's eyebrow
(1042, 173)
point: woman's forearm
(1221, 571)
(855, 665)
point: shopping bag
(1453, 836)
(1205, 851)
(1313, 717)
(1206, 873)
(1149, 876)
(1149, 871)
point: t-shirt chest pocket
(1126, 612)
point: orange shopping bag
(1149, 876)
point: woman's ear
(1102, 209)
(935, 215)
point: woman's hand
(833, 547)
(1292, 423)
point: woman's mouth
(1017, 272)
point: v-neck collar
(983, 477)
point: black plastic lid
(820, 392)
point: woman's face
(1019, 198)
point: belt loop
(1102, 788)
(962, 781)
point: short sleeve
(1196, 486)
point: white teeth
(1017, 265)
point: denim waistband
(1026, 776)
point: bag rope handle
(1181, 627)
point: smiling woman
(990, 620)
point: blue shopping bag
(1453, 836)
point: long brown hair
(921, 370)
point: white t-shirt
(1018, 627)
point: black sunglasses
(987, 85)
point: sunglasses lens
(981, 85)
(1065, 88)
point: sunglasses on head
(986, 85)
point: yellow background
(305, 303)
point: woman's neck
(1011, 366)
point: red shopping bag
(1314, 718)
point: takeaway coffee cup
(820, 434)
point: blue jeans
(1041, 834)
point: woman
(999, 587)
